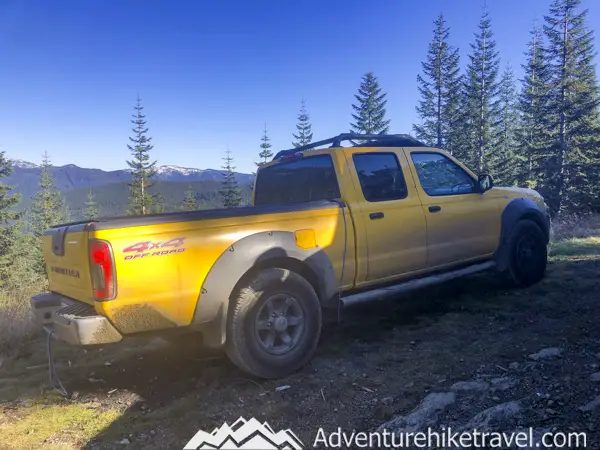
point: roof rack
(366, 140)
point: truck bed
(109, 223)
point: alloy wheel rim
(279, 324)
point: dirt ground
(377, 365)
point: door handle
(376, 215)
(435, 208)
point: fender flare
(516, 210)
(256, 250)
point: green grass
(51, 422)
(575, 248)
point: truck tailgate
(67, 262)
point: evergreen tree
(91, 208)
(571, 171)
(265, 148)
(532, 133)
(503, 162)
(48, 208)
(481, 90)
(158, 203)
(303, 127)
(440, 90)
(369, 112)
(190, 203)
(230, 192)
(265, 153)
(9, 220)
(143, 171)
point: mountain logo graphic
(245, 434)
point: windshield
(305, 179)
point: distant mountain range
(26, 176)
(111, 190)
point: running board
(415, 284)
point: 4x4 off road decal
(159, 248)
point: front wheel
(274, 324)
(528, 255)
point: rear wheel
(528, 254)
(274, 324)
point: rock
(423, 416)
(591, 405)
(384, 412)
(595, 376)
(546, 353)
(387, 400)
(496, 417)
(152, 432)
(496, 399)
(502, 383)
(513, 366)
(124, 442)
(473, 385)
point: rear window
(305, 179)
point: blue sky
(210, 74)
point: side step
(415, 284)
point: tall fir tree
(143, 169)
(230, 191)
(265, 153)
(533, 133)
(503, 161)
(571, 172)
(48, 208)
(303, 127)
(91, 207)
(440, 90)
(190, 202)
(369, 111)
(265, 148)
(482, 108)
(158, 203)
(9, 220)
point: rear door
(391, 212)
(462, 224)
(67, 263)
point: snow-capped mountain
(178, 169)
(25, 176)
(22, 164)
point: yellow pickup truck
(328, 226)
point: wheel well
(291, 264)
(539, 221)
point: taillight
(102, 268)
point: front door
(462, 223)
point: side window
(380, 176)
(439, 175)
(306, 179)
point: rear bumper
(71, 321)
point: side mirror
(485, 182)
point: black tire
(247, 336)
(528, 254)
